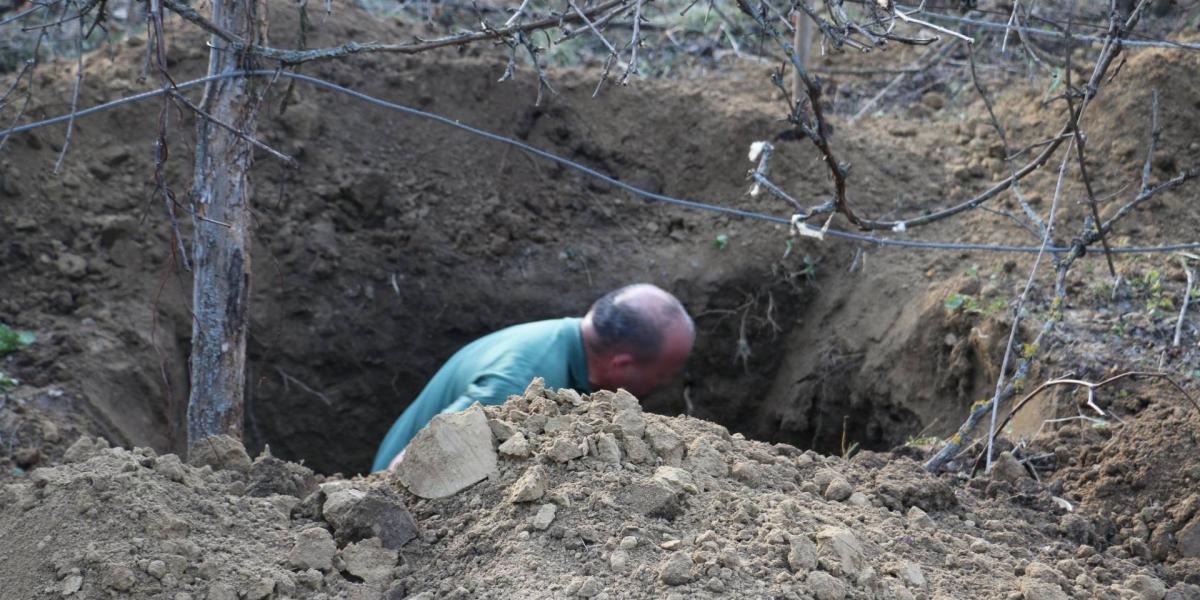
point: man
(636, 337)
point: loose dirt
(590, 497)
(397, 241)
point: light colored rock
(631, 423)
(607, 448)
(628, 542)
(72, 584)
(703, 458)
(665, 443)
(650, 497)
(84, 448)
(502, 430)
(452, 453)
(516, 446)
(370, 561)
(919, 519)
(564, 448)
(314, 549)
(542, 519)
(637, 450)
(748, 472)
(618, 560)
(534, 389)
(802, 554)
(530, 486)
(221, 591)
(838, 489)
(220, 452)
(590, 588)
(557, 424)
(119, 578)
(676, 569)
(824, 586)
(680, 480)
(912, 575)
(843, 546)
(157, 569)
(170, 467)
(1146, 587)
(859, 499)
(1036, 589)
(623, 400)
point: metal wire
(1055, 34)
(692, 204)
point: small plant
(997, 306)
(11, 340)
(7, 383)
(973, 272)
(923, 441)
(956, 301)
(722, 242)
(810, 268)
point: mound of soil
(587, 496)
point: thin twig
(1187, 298)
(231, 129)
(292, 57)
(74, 100)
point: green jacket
(491, 369)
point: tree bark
(221, 250)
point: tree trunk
(221, 200)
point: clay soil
(395, 240)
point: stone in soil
(452, 453)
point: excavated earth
(396, 241)
(561, 496)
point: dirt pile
(562, 496)
(1139, 478)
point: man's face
(642, 377)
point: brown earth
(590, 498)
(398, 240)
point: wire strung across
(692, 204)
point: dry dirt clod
(1008, 468)
(530, 486)
(1036, 589)
(843, 546)
(676, 569)
(357, 514)
(1146, 587)
(838, 489)
(452, 452)
(220, 452)
(824, 586)
(590, 588)
(630, 423)
(516, 446)
(802, 554)
(919, 519)
(369, 561)
(314, 549)
(564, 448)
(544, 516)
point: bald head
(637, 337)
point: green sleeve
(488, 390)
